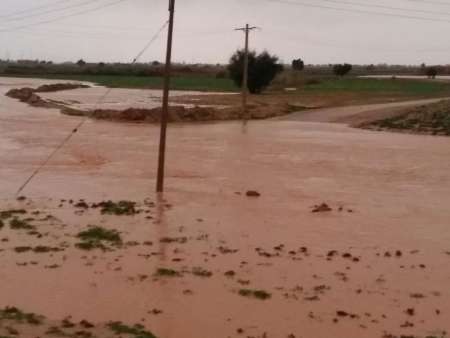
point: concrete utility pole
(165, 105)
(247, 30)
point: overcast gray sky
(334, 31)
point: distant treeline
(379, 69)
(156, 69)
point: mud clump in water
(253, 193)
(322, 208)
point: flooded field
(348, 233)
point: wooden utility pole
(247, 30)
(165, 105)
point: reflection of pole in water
(162, 227)
(164, 288)
(244, 127)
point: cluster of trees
(81, 67)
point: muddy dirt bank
(177, 113)
(430, 119)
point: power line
(432, 2)
(33, 9)
(150, 43)
(64, 17)
(83, 121)
(359, 11)
(387, 7)
(53, 10)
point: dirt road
(355, 271)
(352, 113)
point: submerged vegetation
(258, 294)
(14, 314)
(137, 331)
(98, 238)
(117, 208)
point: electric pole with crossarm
(165, 105)
(247, 30)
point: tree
(342, 69)
(298, 64)
(431, 72)
(262, 69)
(81, 63)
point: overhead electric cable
(53, 10)
(32, 9)
(349, 10)
(84, 120)
(343, 2)
(64, 16)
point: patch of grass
(46, 249)
(22, 249)
(96, 238)
(18, 224)
(258, 294)
(179, 240)
(200, 272)
(37, 249)
(117, 208)
(138, 331)
(164, 272)
(404, 86)
(14, 314)
(10, 213)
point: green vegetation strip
(394, 86)
(194, 82)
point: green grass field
(319, 86)
(197, 83)
(393, 86)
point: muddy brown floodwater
(377, 264)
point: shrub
(431, 72)
(342, 69)
(298, 64)
(262, 69)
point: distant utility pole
(165, 106)
(247, 30)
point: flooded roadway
(336, 271)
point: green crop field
(197, 83)
(387, 86)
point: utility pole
(247, 30)
(165, 105)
